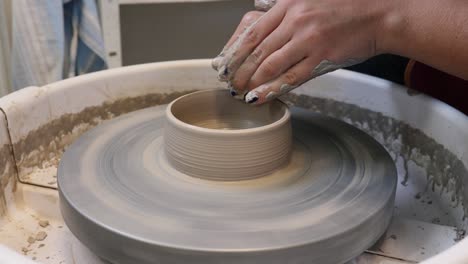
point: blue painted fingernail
(231, 89)
(253, 100)
(222, 73)
(251, 97)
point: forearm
(433, 32)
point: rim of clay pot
(285, 117)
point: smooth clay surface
(211, 136)
(330, 202)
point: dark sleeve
(438, 84)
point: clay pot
(210, 135)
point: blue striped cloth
(55, 39)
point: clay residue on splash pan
(442, 167)
(43, 147)
(7, 172)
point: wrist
(390, 36)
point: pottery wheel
(332, 201)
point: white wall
(5, 44)
(176, 30)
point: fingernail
(222, 72)
(251, 97)
(231, 89)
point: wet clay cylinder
(211, 136)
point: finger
(248, 19)
(276, 64)
(273, 43)
(248, 41)
(295, 76)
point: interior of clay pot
(216, 109)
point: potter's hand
(272, 53)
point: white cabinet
(142, 31)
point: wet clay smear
(7, 172)
(442, 167)
(44, 146)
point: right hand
(272, 53)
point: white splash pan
(36, 123)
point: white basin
(428, 139)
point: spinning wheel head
(156, 185)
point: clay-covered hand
(272, 53)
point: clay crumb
(25, 250)
(41, 236)
(436, 220)
(417, 196)
(31, 240)
(43, 223)
(394, 237)
(41, 245)
(52, 182)
(460, 234)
